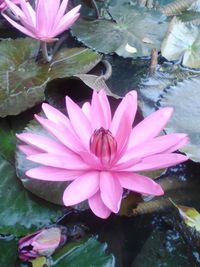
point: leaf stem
(45, 54)
(108, 71)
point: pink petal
(55, 115)
(29, 150)
(61, 133)
(179, 145)
(125, 111)
(60, 12)
(97, 206)
(43, 143)
(156, 162)
(65, 26)
(15, 9)
(29, 13)
(67, 20)
(47, 239)
(42, 17)
(101, 113)
(79, 121)
(19, 27)
(110, 190)
(161, 144)
(149, 127)
(69, 162)
(53, 174)
(139, 183)
(81, 189)
(86, 108)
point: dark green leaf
(88, 254)
(22, 80)
(71, 61)
(8, 252)
(21, 212)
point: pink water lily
(46, 21)
(102, 154)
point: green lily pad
(185, 99)
(182, 42)
(23, 80)
(8, 247)
(131, 33)
(71, 61)
(90, 253)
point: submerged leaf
(131, 33)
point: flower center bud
(103, 145)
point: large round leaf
(131, 33)
(185, 99)
(23, 80)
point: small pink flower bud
(103, 145)
(41, 243)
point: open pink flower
(101, 155)
(46, 21)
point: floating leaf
(185, 99)
(89, 253)
(151, 87)
(126, 33)
(71, 61)
(23, 80)
(182, 42)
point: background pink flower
(46, 21)
(3, 4)
(101, 155)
